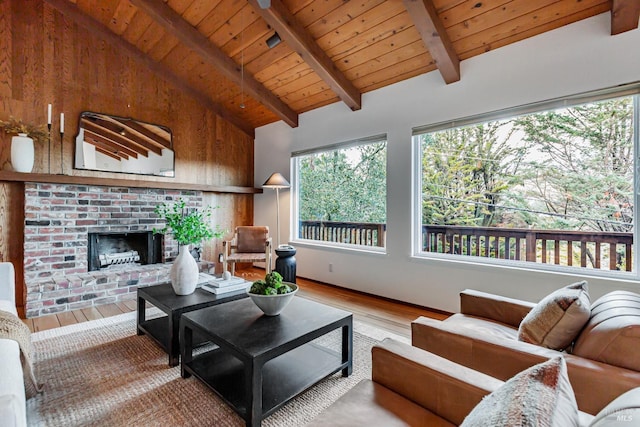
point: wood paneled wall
(45, 58)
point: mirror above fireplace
(118, 144)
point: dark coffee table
(164, 330)
(262, 362)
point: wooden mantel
(87, 180)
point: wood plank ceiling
(331, 50)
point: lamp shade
(276, 180)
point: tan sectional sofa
(603, 364)
(412, 387)
(409, 387)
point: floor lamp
(277, 181)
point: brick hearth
(58, 218)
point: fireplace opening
(123, 248)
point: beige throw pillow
(538, 396)
(556, 321)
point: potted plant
(22, 150)
(188, 226)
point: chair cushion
(612, 334)
(556, 321)
(538, 396)
(247, 257)
(252, 238)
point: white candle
(61, 122)
(49, 114)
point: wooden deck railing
(355, 233)
(612, 251)
(606, 251)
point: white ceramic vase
(184, 272)
(22, 153)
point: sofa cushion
(371, 404)
(11, 411)
(12, 395)
(557, 320)
(538, 396)
(482, 326)
(612, 334)
(14, 329)
(9, 306)
(624, 410)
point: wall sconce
(274, 40)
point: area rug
(100, 373)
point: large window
(550, 187)
(340, 193)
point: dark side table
(286, 263)
(164, 330)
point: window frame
(295, 195)
(631, 89)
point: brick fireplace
(58, 221)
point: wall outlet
(220, 257)
(330, 268)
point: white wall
(577, 58)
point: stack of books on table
(218, 285)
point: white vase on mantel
(22, 153)
(184, 272)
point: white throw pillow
(539, 396)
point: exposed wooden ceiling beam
(625, 15)
(110, 124)
(106, 152)
(71, 11)
(154, 138)
(114, 133)
(196, 41)
(105, 148)
(121, 143)
(435, 37)
(299, 39)
(108, 143)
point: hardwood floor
(393, 316)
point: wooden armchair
(249, 244)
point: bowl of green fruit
(272, 295)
